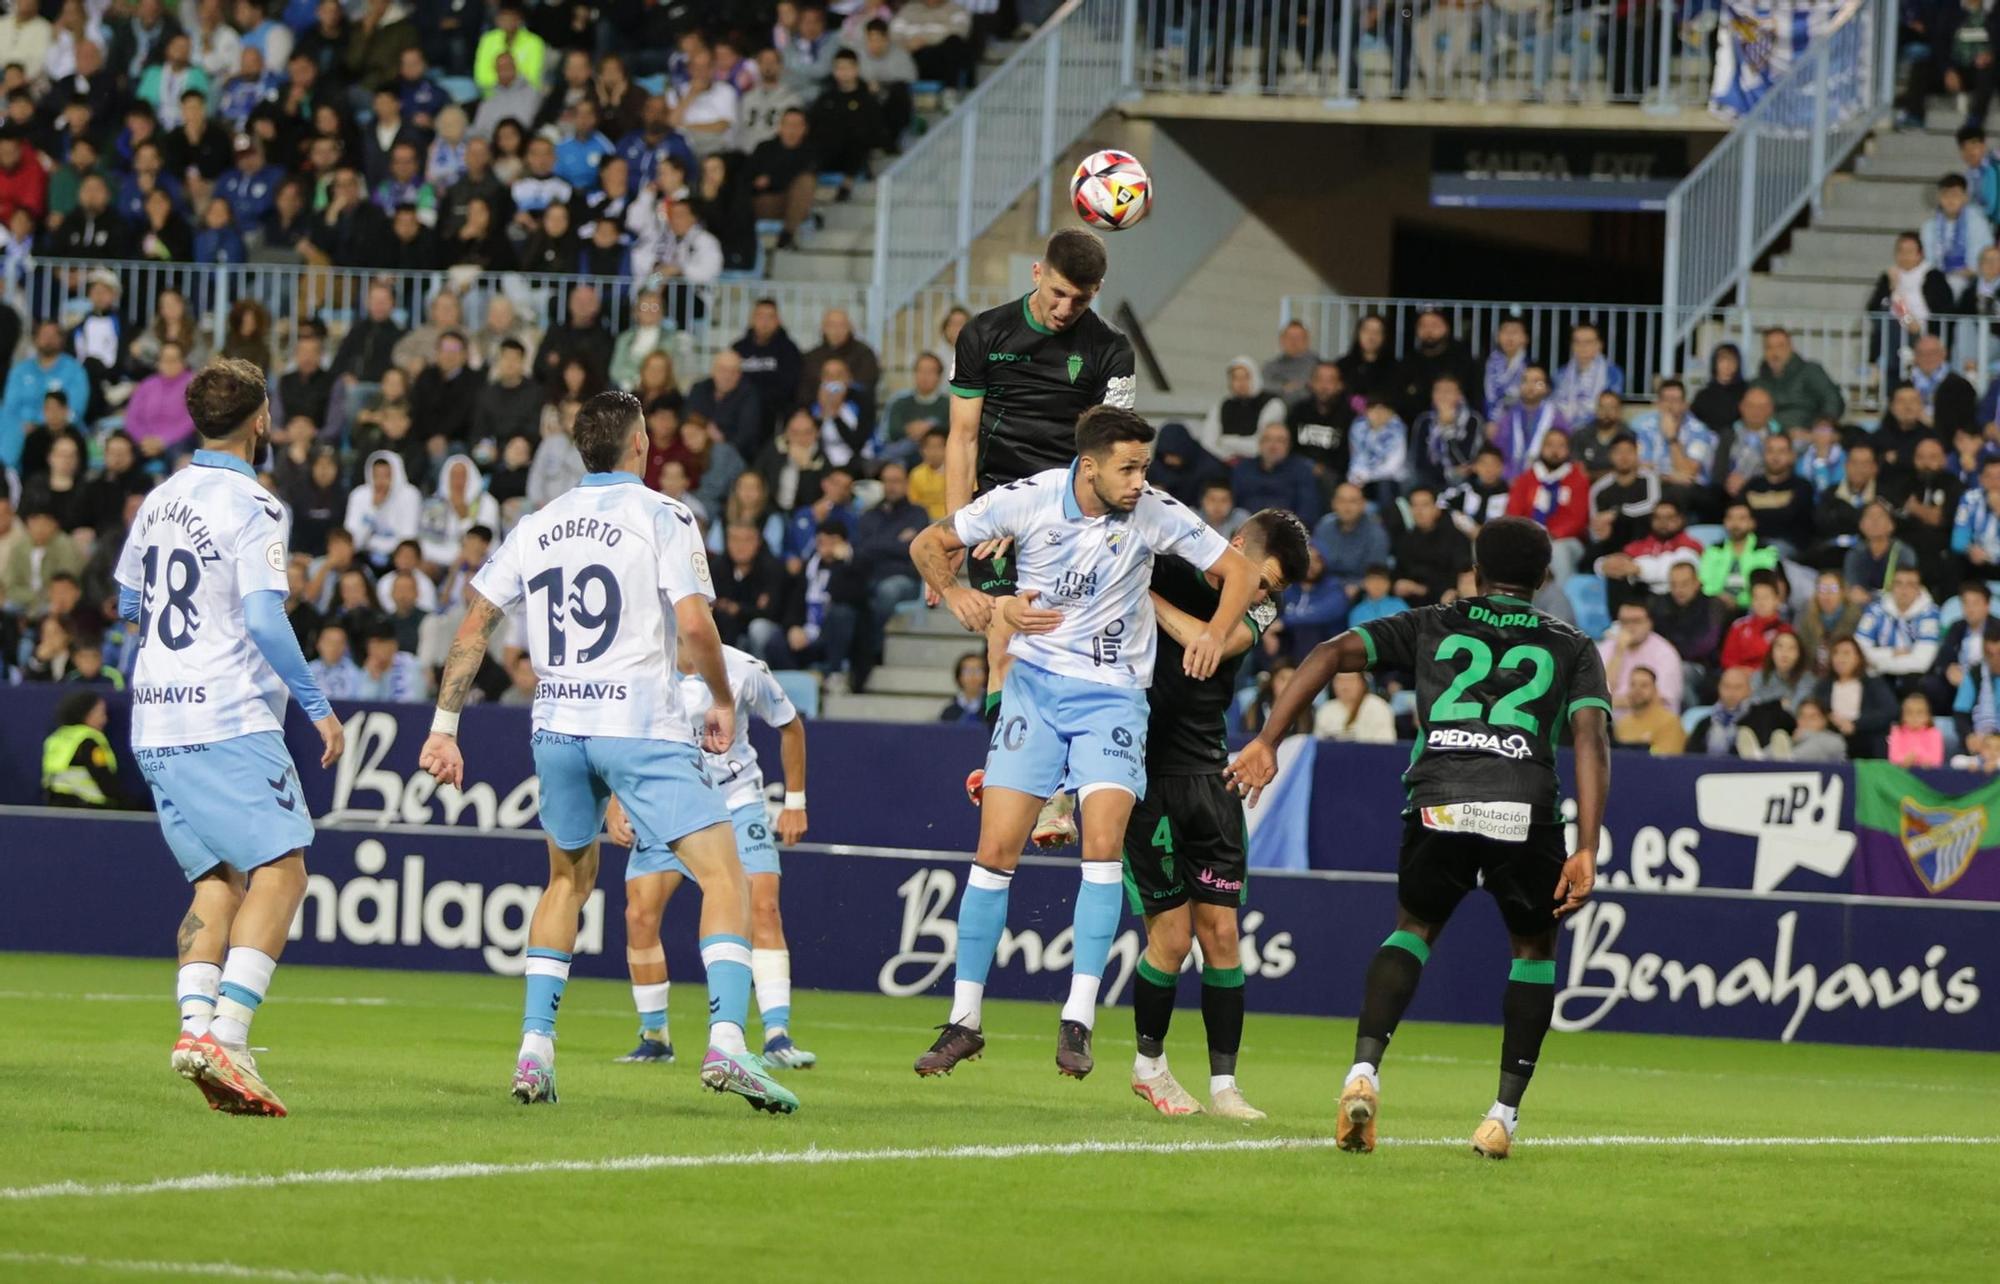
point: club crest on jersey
(1941, 842)
(1452, 739)
(1114, 539)
(1075, 366)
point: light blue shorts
(1062, 733)
(237, 802)
(755, 847)
(665, 791)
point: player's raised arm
(440, 755)
(932, 552)
(1184, 628)
(1240, 581)
(1590, 727)
(1257, 764)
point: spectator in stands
(1956, 233)
(937, 34)
(783, 174)
(24, 181)
(1481, 497)
(1915, 740)
(1522, 427)
(847, 124)
(1726, 567)
(1674, 443)
(1368, 365)
(834, 502)
(1822, 459)
(704, 109)
(333, 665)
(1717, 404)
(405, 617)
(318, 502)
(1314, 610)
(1780, 499)
(460, 504)
(1970, 450)
(1733, 726)
(1590, 440)
(823, 614)
(1741, 445)
(1350, 539)
(1219, 510)
(1289, 374)
(968, 700)
(1975, 530)
(1832, 614)
(1378, 452)
(1633, 644)
(1900, 429)
(1555, 493)
(1948, 399)
(1961, 649)
(1449, 433)
(1319, 424)
(1785, 676)
(771, 363)
(1430, 552)
(1233, 426)
(408, 559)
(121, 478)
(60, 489)
(55, 425)
(1377, 599)
(927, 478)
(174, 74)
(1435, 352)
(1837, 514)
(45, 553)
(914, 412)
(1587, 374)
(1876, 555)
(838, 340)
(1911, 290)
(752, 589)
(763, 105)
(1857, 706)
(25, 37)
(1801, 391)
(94, 230)
(557, 465)
(730, 403)
(157, 415)
(1623, 499)
(49, 658)
(1647, 723)
(1749, 638)
(882, 546)
(387, 671)
(1900, 630)
(1354, 714)
(1930, 501)
(887, 71)
(509, 405)
(1276, 478)
(48, 369)
(383, 511)
(809, 51)
(1505, 364)
(510, 97)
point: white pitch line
(205, 1270)
(209, 1182)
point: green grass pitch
(401, 1071)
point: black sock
(992, 710)
(1392, 982)
(1222, 1015)
(1152, 1008)
(1527, 1009)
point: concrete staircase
(915, 678)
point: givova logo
(374, 907)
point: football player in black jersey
(1187, 853)
(1496, 681)
(1022, 375)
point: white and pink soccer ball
(1111, 190)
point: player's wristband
(795, 800)
(444, 723)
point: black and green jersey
(1496, 680)
(1185, 728)
(1036, 382)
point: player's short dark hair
(603, 426)
(224, 397)
(1514, 552)
(1101, 427)
(1283, 536)
(1078, 255)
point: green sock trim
(1147, 972)
(992, 701)
(1223, 978)
(1410, 943)
(1533, 971)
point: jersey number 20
(1508, 710)
(574, 608)
(178, 618)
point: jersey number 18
(178, 618)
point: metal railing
(1862, 352)
(1773, 164)
(948, 188)
(57, 288)
(1543, 51)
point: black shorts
(1435, 870)
(1186, 841)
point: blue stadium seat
(1706, 536)
(460, 89)
(654, 86)
(1950, 612)
(1586, 598)
(1691, 716)
(801, 688)
(1403, 703)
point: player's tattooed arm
(1184, 628)
(932, 552)
(468, 648)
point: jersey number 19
(574, 608)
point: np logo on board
(1940, 841)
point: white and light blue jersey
(598, 572)
(204, 540)
(736, 770)
(1096, 570)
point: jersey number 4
(573, 608)
(177, 618)
(1508, 710)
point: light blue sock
(548, 973)
(774, 1017)
(727, 961)
(1096, 920)
(653, 1020)
(982, 916)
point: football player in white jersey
(653, 874)
(203, 577)
(1073, 709)
(615, 583)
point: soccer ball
(1111, 190)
